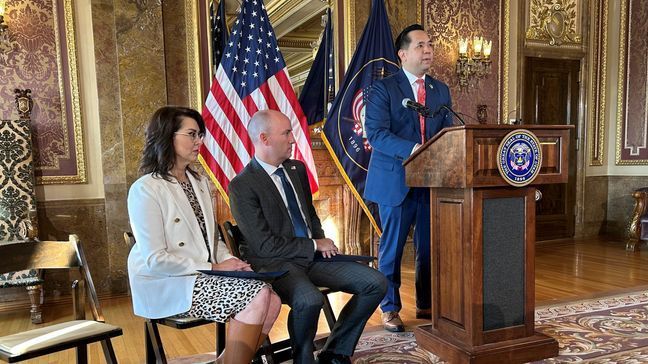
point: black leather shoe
(327, 357)
(424, 313)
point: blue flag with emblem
(344, 134)
(319, 88)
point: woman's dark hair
(158, 156)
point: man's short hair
(259, 123)
(403, 40)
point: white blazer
(169, 246)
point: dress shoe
(424, 313)
(392, 321)
(327, 357)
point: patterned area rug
(605, 330)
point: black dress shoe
(327, 357)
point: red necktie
(420, 98)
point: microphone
(419, 108)
(446, 107)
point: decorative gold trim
(193, 57)
(70, 42)
(349, 26)
(280, 9)
(296, 43)
(622, 79)
(598, 86)
(505, 64)
(621, 100)
(554, 22)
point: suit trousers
(396, 222)
(299, 290)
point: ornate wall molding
(43, 57)
(66, 61)
(596, 129)
(632, 111)
(554, 22)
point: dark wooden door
(551, 97)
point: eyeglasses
(194, 136)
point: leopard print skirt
(218, 298)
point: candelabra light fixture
(473, 62)
(4, 33)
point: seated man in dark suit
(272, 204)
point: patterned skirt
(218, 298)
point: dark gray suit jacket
(264, 221)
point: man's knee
(378, 283)
(373, 282)
(312, 300)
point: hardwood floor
(566, 270)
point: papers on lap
(344, 258)
(262, 276)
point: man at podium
(395, 130)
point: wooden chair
(154, 348)
(280, 351)
(19, 221)
(77, 333)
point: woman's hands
(231, 264)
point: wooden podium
(482, 236)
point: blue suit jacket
(393, 131)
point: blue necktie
(299, 226)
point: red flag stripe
(232, 109)
(216, 135)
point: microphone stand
(453, 113)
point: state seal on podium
(519, 157)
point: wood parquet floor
(566, 270)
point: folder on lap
(344, 258)
(262, 276)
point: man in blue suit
(394, 133)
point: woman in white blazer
(172, 217)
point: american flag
(219, 31)
(252, 76)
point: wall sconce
(471, 68)
(4, 30)
(3, 26)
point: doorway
(551, 97)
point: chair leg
(220, 338)
(328, 313)
(264, 350)
(36, 300)
(109, 352)
(82, 354)
(154, 348)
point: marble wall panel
(175, 52)
(114, 152)
(621, 203)
(142, 72)
(595, 207)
